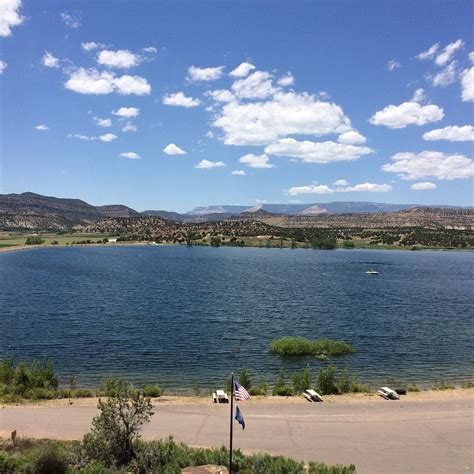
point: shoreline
(191, 400)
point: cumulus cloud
(129, 127)
(324, 189)
(445, 56)
(103, 122)
(150, 49)
(316, 152)
(121, 58)
(10, 16)
(42, 127)
(452, 133)
(242, 70)
(197, 74)
(286, 113)
(430, 53)
(351, 138)
(131, 155)
(256, 161)
(91, 81)
(430, 164)
(3, 66)
(206, 164)
(91, 45)
(127, 112)
(423, 186)
(108, 137)
(286, 80)
(238, 173)
(257, 85)
(467, 85)
(392, 65)
(419, 96)
(180, 100)
(408, 113)
(341, 182)
(49, 60)
(446, 76)
(173, 149)
(221, 95)
(71, 21)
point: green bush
(8, 464)
(300, 346)
(261, 390)
(280, 388)
(50, 459)
(82, 393)
(40, 393)
(467, 385)
(326, 380)
(302, 380)
(152, 391)
(443, 385)
(244, 379)
(319, 468)
(34, 240)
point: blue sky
(171, 105)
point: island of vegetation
(300, 346)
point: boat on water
(372, 272)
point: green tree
(302, 380)
(116, 430)
(326, 380)
(34, 240)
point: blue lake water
(182, 316)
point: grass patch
(300, 346)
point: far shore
(348, 398)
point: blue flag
(239, 417)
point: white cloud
(205, 74)
(131, 155)
(206, 164)
(129, 127)
(70, 21)
(445, 56)
(91, 81)
(10, 16)
(286, 80)
(419, 96)
(446, 76)
(467, 84)
(257, 85)
(471, 56)
(42, 127)
(429, 54)
(3, 66)
(103, 122)
(341, 182)
(316, 152)
(49, 60)
(108, 137)
(173, 149)
(221, 95)
(392, 65)
(242, 70)
(408, 113)
(180, 100)
(423, 186)
(121, 58)
(324, 189)
(351, 138)
(79, 136)
(287, 113)
(430, 164)
(150, 49)
(238, 173)
(126, 112)
(256, 161)
(91, 45)
(452, 133)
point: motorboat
(372, 272)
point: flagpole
(231, 421)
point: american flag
(239, 392)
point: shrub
(348, 244)
(8, 464)
(262, 390)
(302, 380)
(34, 240)
(50, 459)
(152, 391)
(300, 346)
(244, 379)
(326, 380)
(467, 385)
(280, 387)
(319, 468)
(40, 393)
(82, 393)
(443, 385)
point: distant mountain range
(34, 211)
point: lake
(185, 316)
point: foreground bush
(300, 346)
